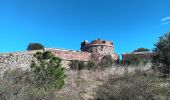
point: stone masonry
(93, 51)
(99, 47)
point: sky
(130, 24)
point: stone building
(89, 51)
(99, 48)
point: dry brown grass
(82, 85)
(79, 85)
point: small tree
(162, 50)
(35, 46)
(141, 50)
(48, 71)
(105, 62)
(91, 65)
(77, 65)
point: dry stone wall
(100, 49)
(71, 55)
(16, 59)
(24, 59)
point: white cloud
(165, 19)
(165, 23)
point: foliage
(18, 84)
(162, 50)
(136, 60)
(141, 50)
(105, 62)
(133, 60)
(91, 65)
(77, 65)
(48, 71)
(35, 46)
(132, 87)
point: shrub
(105, 62)
(18, 84)
(136, 60)
(91, 65)
(77, 65)
(162, 57)
(48, 71)
(133, 60)
(141, 50)
(132, 87)
(35, 46)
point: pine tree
(35, 46)
(48, 71)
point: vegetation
(141, 50)
(18, 84)
(91, 65)
(136, 61)
(35, 46)
(140, 86)
(47, 70)
(47, 77)
(105, 62)
(162, 57)
(77, 65)
(133, 60)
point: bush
(35, 46)
(133, 60)
(77, 65)
(48, 71)
(132, 87)
(162, 57)
(18, 84)
(141, 50)
(105, 62)
(91, 65)
(136, 60)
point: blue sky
(130, 24)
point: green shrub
(141, 50)
(105, 62)
(133, 60)
(48, 71)
(77, 65)
(35, 46)
(162, 57)
(136, 60)
(91, 65)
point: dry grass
(82, 85)
(79, 85)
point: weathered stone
(93, 51)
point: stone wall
(100, 49)
(15, 60)
(24, 59)
(70, 54)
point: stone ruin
(99, 48)
(89, 51)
